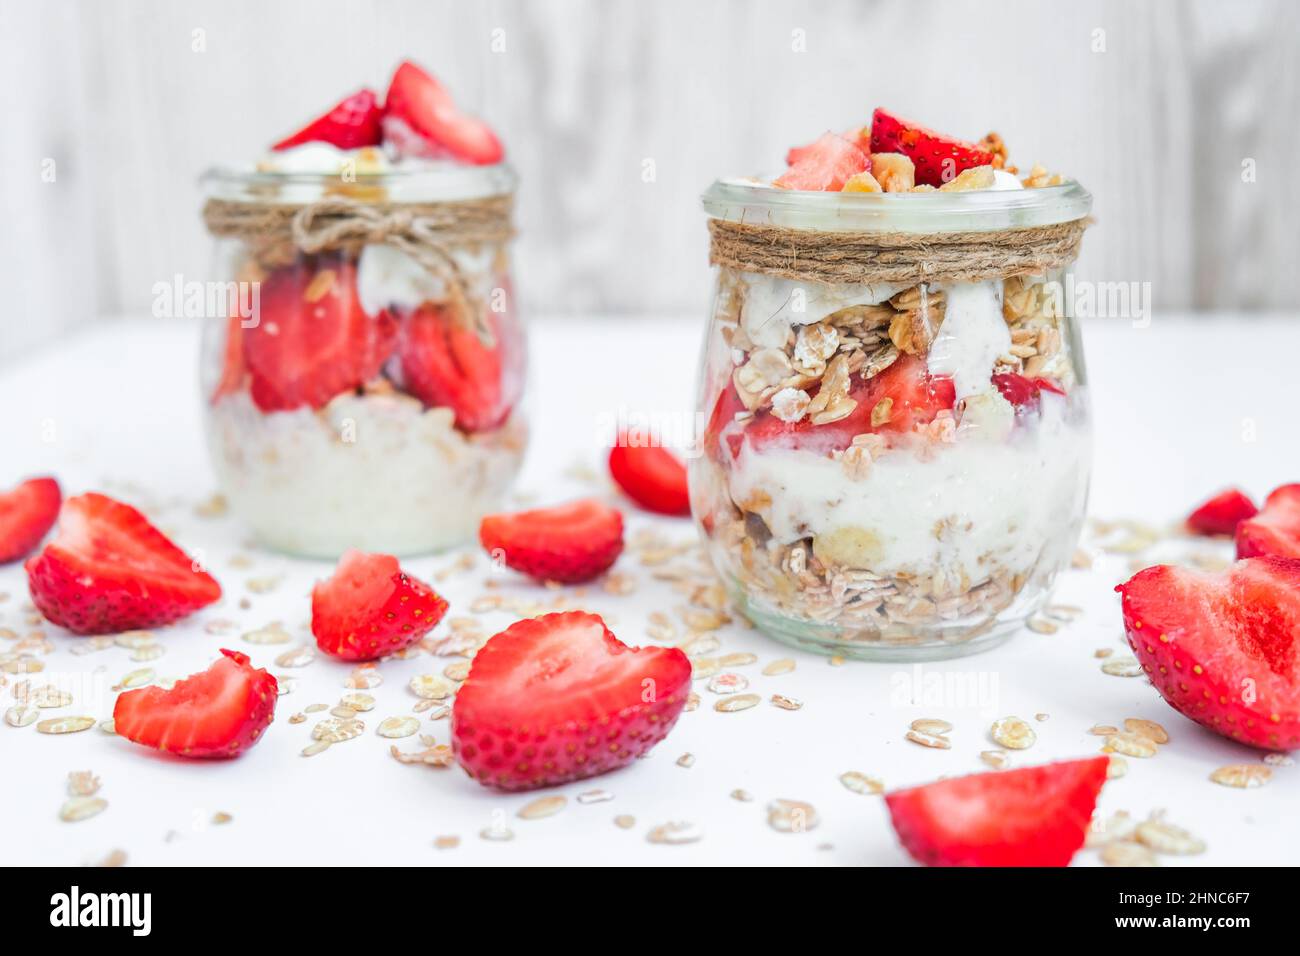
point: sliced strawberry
(652, 476)
(559, 698)
(824, 165)
(938, 159)
(859, 136)
(350, 124)
(722, 424)
(1222, 513)
(1024, 392)
(371, 607)
(568, 543)
(422, 105)
(313, 340)
(915, 395)
(108, 569)
(233, 371)
(1275, 529)
(1033, 816)
(446, 364)
(1223, 647)
(26, 514)
(219, 712)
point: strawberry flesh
(1275, 529)
(418, 104)
(723, 420)
(1222, 647)
(350, 124)
(26, 514)
(915, 394)
(1222, 513)
(1032, 816)
(310, 345)
(651, 476)
(859, 136)
(445, 363)
(219, 712)
(371, 607)
(824, 165)
(568, 543)
(559, 698)
(938, 158)
(108, 569)
(1024, 392)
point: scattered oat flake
(336, 730)
(1013, 733)
(1279, 760)
(742, 659)
(341, 711)
(364, 678)
(300, 656)
(1103, 652)
(396, 727)
(792, 816)
(782, 666)
(21, 715)
(264, 585)
(727, 683)
(457, 671)
(933, 741)
(1243, 775)
(931, 725)
(114, 858)
(448, 842)
(1102, 730)
(594, 796)
(316, 747)
(675, 833)
(358, 702)
(997, 759)
(1132, 745)
(836, 661)
(861, 783)
(82, 808)
(434, 755)
(497, 833)
(1116, 768)
(273, 633)
(297, 718)
(137, 678)
(82, 783)
(1164, 837)
(692, 702)
(1127, 854)
(221, 817)
(65, 725)
(1122, 667)
(1041, 625)
(220, 626)
(1118, 826)
(546, 806)
(1146, 728)
(624, 822)
(108, 726)
(431, 687)
(744, 796)
(786, 703)
(314, 708)
(134, 639)
(739, 702)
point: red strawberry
(559, 698)
(422, 105)
(370, 607)
(350, 124)
(1275, 529)
(108, 569)
(1024, 392)
(568, 543)
(1223, 647)
(233, 371)
(1033, 816)
(824, 165)
(916, 397)
(1222, 513)
(445, 363)
(938, 158)
(313, 340)
(219, 712)
(26, 514)
(723, 419)
(651, 476)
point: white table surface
(1180, 408)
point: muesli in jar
(373, 400)
(897, 450)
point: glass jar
(892, 468)
(363, 384)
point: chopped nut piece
(895, 172)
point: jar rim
(985, 210)
(425, 182)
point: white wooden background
(586, 91)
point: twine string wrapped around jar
(894, 257)
(428, 232)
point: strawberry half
(651, 476)
(568, 543)
(559, 698)
(419, 104)
(1222, 513)
(1223, 647)
(915, 395)
(1275, 529)
(313, 340)
(26, 514)
(219, 712)
(938, 159)
(350, 124)
(824, 165)
(447, 364)
(371, 607)
(1033, 816)
(108, 569)
(233, 371)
